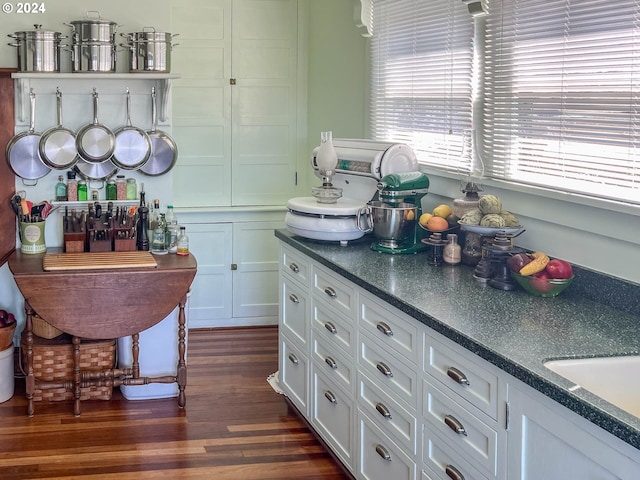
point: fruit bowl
(542, 287)
(452, 229)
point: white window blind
(562, 95)
(421, 85)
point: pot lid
(97, 20)
(38, 33)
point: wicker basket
(6, 337)
(53, 362)
(44, 329)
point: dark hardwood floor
(234, 425)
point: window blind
(562, 95)
(421, 79)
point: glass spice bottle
(112, 190)
(452, 252)
(183, 242)
(132, 189)
(82, 190)
(61, 189)
(72, 186)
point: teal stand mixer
(393, 218)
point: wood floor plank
(234, 425)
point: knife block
(75, 242)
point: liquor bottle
(158, 245)
(183, 242)
(143, 225)
(61, 189)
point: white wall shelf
(25, 80)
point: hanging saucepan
(95, 142)
(98, 172)
(57, 145)
(133, 145)
(164, 151)
(22, 151)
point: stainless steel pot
(94, 57)
(38, 50)
(93, 29)
(149, 51)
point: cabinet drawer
(333, 416)
(464, 374)
(334, 290)
(294, 311)
(295, 264)
(471, 438)
(445, 462)
(388, 372)
(294, 374)
(388, 414)
(334, 328)
(380, 458)
(391, 327)
(333, 364)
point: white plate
(491, 230)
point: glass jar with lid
(121, 188)
(132, 189)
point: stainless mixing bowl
(393, 222)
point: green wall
(337, 72)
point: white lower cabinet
(379, 457)
(294, 374)
(547, 441)
(237, 279)
(396, 400)
(333, 417)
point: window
(421, 78)
(559, 98)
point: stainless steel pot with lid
(93, 29)
(38, 49)
(149, 50)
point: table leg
(77, 376)
(30, 381)
(182, 364)
(135, 354)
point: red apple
(10, 320)
(517, 261)
(539, 282)
(557, 268)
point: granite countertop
(512, 330)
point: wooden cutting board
(97, 260)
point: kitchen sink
(615, 379)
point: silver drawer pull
(293, 359)
(331, 327)
(453, 473)
(331, 292)
(383, 410)
(383, 452)
(457, 375)
(294, 298)
(384, 328)
(331, 397)
(454, 424)
(331, 362)
(384, 369)
(294, 268)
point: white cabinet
(237, 279)
(546, 440)
(237, 105)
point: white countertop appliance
(361, 164)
